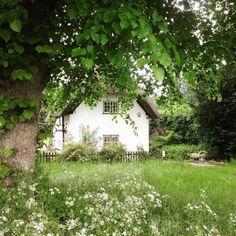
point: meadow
(141, 198)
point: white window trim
(113, 138)
(112, 107)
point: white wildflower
(154, 229)
(38, 226)
(71, 223)
(18, 223)
(31, 203)
(70, 201)
(33, 187)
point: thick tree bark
(22, 138)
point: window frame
(112, 138)
(110, 107)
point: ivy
(15, 111)
(5, 154)
(21, 75)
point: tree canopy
(87, 46)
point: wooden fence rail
(130, 156)
(47, 156)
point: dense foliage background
(217, 119)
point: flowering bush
(112, 151)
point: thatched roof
(149, 107)
(147, 104)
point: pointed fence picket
(47, 156)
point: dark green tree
(217, 119)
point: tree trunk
(22, 138)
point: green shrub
(157, 141)
(180, 151)
(112, 151)
(78, 152)
(178, 118)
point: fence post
(163, 154)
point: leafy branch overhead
(80, 43)
(71, 38)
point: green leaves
(165, 59)
(107, 16)
(163, 27)
(95, 37)
(3, 121)
(46, 49)
(5, 35)
(27, 114)
(87, 63)
(72, 13)
(124, 22)
(156, 17)
(103, 39)
(4, 63)
(25, 110)
(19, 49)
(22, 103)
(8, 152)
(78, 52)
(123, 78)
(141, 62)
(189, 76)
(16, 25)
(158, 72)
(91, 50)
(21, 75)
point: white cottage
(69, 122)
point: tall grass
(181, 182)
(119, 199)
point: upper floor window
(110, 107)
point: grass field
(146, 198)
(194, 200)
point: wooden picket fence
(47, 156)
(135, 156)
(129, 157)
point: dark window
(110, 107)
(110, 138)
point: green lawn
(182, 183)
(148, 198)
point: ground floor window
(107, 138)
